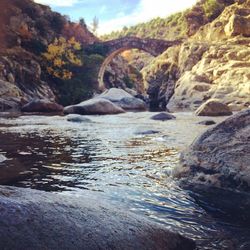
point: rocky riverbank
(211, 63)
(217, 166)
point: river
(126, 159)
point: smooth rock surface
(38, 220)
(42, 106)
(163, 117)
(96, 106)
(123, 99)
(115, 94)
(220, 157)
(213, 107)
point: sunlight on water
(116, 157)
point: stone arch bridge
(114, 47)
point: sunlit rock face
(220, 156)
(213, 63)
(223, 73)
(216, 168)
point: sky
(115, 14)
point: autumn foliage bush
(60, 56)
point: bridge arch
(154, 47)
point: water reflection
(110, 157)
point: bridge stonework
(114, 47)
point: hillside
(211, 64)
(175, 26)
(213, 61)
(181, 25)
(27, 31)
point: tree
(95, 25)
(82, 22)
(60, 56)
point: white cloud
(62, 3)
(146, 10)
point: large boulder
(32, 219)
(123, 99)
(220, 156)
(213, 107)
(96, 106)
(42, 106)
(216, 169)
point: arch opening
(108, 60)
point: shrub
(35, 46)
(212, 8)
(61, 55)
(128, 81)
(57, 22)
(42, 26)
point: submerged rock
(220, 156)
(96, 106)
(147, 132)
(207, 122)
(213, 107)
(32, 219)
(42, 106)
(123, 99)
(164, 116)
(78, 119)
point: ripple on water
(111, 158)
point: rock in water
(213, 107)
(164, 116)
(78, 119)
(123, 99)
(42, 106)
(216, 168)
(147, 132)
(96, 106)
(32, 219)
(131, 103)
(221, 156)
(207, 122)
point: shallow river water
(115, 158)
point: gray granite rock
(32, 219)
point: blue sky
(114, 14)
